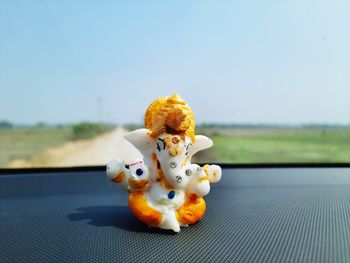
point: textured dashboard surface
(253, 215)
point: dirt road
(97, 151)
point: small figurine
(165, 189)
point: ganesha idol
(165, 189)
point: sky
(272, 61)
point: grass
(281, 146)
(23, 143)
(26, 142)
(249, 145)
(86, 130)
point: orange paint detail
(160, 174)
(186, 160)
(205, 168)
(174, 152)
(205, 178)
(140, 208)
(177, 121)
(172, 144)
(154, 157)
(192, 210)
(138, 185)
(176, 139)
(120, 177)
(171, 115)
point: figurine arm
(203, 177)
(213, 172)
(117, 173)
(200, 185)
(138, 176)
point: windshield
(268, 81)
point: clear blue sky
(283, 62)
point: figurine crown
(171, 115)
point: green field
(27, 142)
(278, 146)
(251, 145)
(23, 143)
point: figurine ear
(140, 139)
(201, 142)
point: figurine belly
(164, 199)
(157, 207)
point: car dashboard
(254, 214)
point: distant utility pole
(99, 110)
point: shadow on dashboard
(112, 215)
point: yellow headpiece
(171, 115)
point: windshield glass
(268, 81)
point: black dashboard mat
(253, 215)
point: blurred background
(268, 81)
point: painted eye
(188, 172)
(158, 148)
(188, 146)
(161, 140)
(139, 172)
(172, 165)
(178, 179)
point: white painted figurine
(165, 189)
